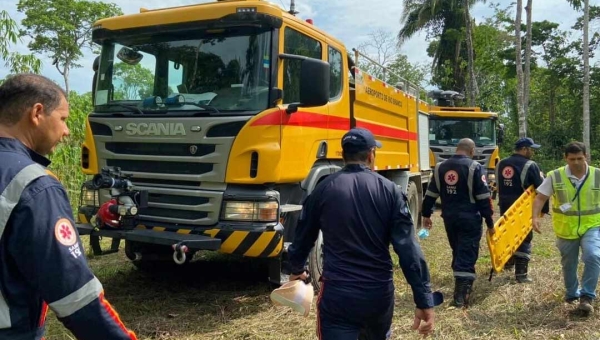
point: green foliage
(490, 70)
(62, 29)
(66, 158)
(16, 62)
(444, 24)
(136, 81)
(556, 106)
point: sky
(349, 20)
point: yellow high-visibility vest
(584, 210)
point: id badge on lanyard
(567, 206)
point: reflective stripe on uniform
(577, 213)
(497, 172)
(561, 193)
(78, 299)
(465, 275)
(522, 255)
(436, 176)
(432, 194)
(524, 173)
(470, 181)
(12, 193)
(482, 196)
(8, 200)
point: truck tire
(315, 263)
(413, 203)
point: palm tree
(446, 21)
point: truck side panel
(388, 113)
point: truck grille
(158, 167)
(183, 173)
(152, 213)
(160, 149)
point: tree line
(534, 74)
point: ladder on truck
(402, 84)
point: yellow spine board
(511, 230)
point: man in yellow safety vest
(575, 191)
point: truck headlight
(250, 211)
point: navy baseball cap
(359, 139)
(526, 142)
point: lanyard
(580, 185)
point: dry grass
(217, 298)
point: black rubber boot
(458, 297)
(467, 289)
(462, 292)
(521, 264)
(510, 264)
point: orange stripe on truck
(321, 121)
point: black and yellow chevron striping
(246, 243)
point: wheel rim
(412, 205)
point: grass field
(220, 298)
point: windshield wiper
(131, 108)
(204, 106)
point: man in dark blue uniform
(42, 261)
(360, 212)
(515, 174)
(460, 184)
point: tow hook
(179, 253)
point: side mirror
(500, 138)
(129, 56)
(314, 82)
(95, 79)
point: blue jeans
(590, 255)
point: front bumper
(256, 242)
(193, 242)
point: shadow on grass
(196, 298)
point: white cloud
(348, 20)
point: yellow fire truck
(241, 118)
(449, 123)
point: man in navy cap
(360, 213)
(514, 175)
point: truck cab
(448, 124)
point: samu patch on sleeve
(64, 232)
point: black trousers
(464, 234)
(351, 311)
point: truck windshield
(449, 132)
(201, 72)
